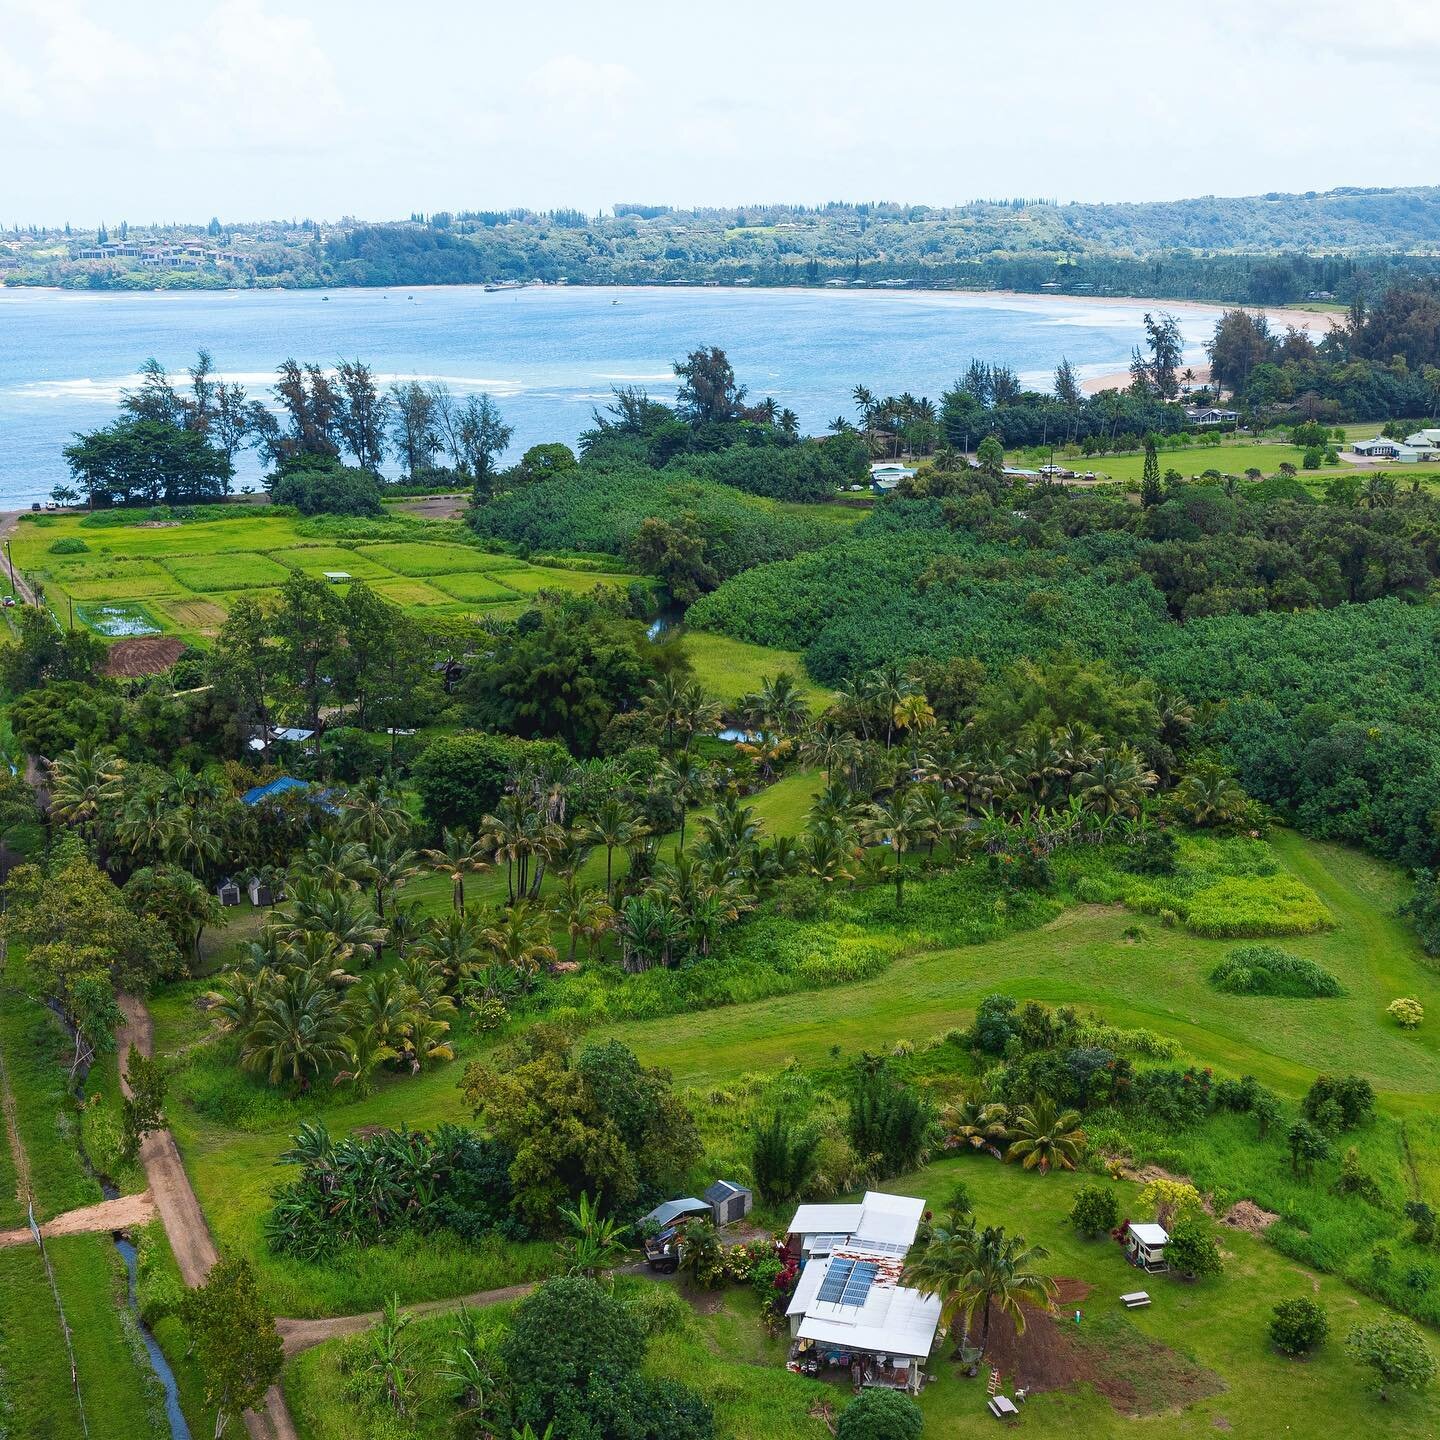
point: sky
(258, 109)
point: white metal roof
(894, 1320)
(820, 1219)
(807, 1287)
(891, 1219)
(1149, 1234)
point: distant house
(1382, 448)
(884, 478)
(1211, 415)
(1425, 443)
(274, 788)
(338, 577)
(849, 1309)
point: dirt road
(101, 1218)
(185, 1227)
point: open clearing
(180, 579)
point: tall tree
(363, 415)
(412, 426)
(233, 1337)
(483, 439)
(707, 392)
(306, 625)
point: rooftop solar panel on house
(833, 1286)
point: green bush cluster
(1268, 970)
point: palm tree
(914, 715)
(521, 940)
(613, 824)
(336, 861)
(453, 943)
(937, 816)
(457, 855)
(1116, 784)
(986, 1271)
(195, 842)
(375, 813)
(84, 785)
(901, 826)
(729, 836)
(146, 826)
(778, 708)
(1210, 795)
(976, 1124)
(524, 837)
(392, 863)
(586, 913)
(687, 782)
(345, 915)
(1041, 1137)
(299, 1028)
(891, 687)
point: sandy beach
(1281, 318)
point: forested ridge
(1257, 249)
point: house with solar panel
(849, 1309)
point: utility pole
(11, 564)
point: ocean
(548, 355)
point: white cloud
(577, 84)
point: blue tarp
(275, 787)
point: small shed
(229, 893)
(729, 1202)
(663, 1229)
(338, 577)
(1145, 1246)
(260, 891)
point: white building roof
(894, 1320)
(1149, 1234)
(826, 1219)
(889, 1219)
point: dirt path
(100, 1218)
(9, 519)
(300, 1335)
(179, 1210)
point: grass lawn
(728, 669)
(118, 1389)
(37, 1057)
(186, 576)
(1083, 958)
(1230, 459)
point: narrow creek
(179, 1429)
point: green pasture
(118, 1390)
(184, 577)
(1193, 460)
(729, 669)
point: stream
(179, 1430)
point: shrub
(1424, 1220)
(1092, 890)
(1095, 1210)
(1406, 1013)
(1396, 1350)
(783, 1159)
(332, 489)
(1298, 1326)
(1355, 1179)
(1268, 970)
(880, 1415)
(1339, 1103)
(1193, 1252)
(1169, 919)
(68, 545)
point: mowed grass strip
(422, 557)
(315, 560)
(409, 590)
(534, 579)
(473, 585)
(231, 570)
(729, 669)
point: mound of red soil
(144, 655)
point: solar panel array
(848, 1282)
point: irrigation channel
(179, 1429)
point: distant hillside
(1254, 249)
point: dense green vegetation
(1254, 249)
(571, 913)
